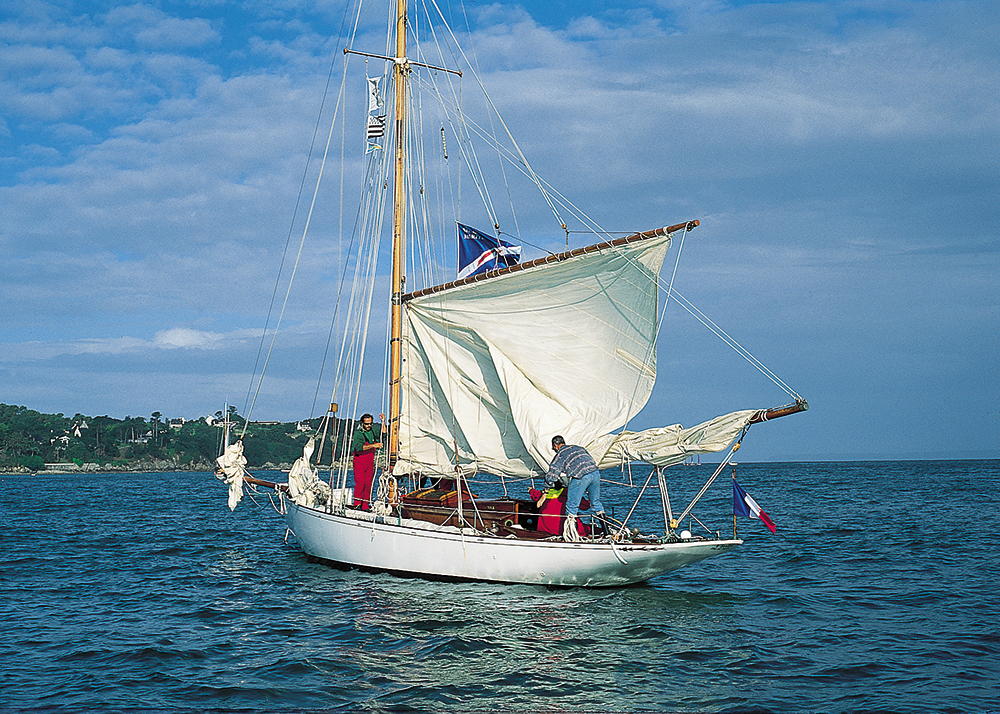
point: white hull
(418, 548)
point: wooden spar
(800, 405)
(400, 73)
(554, 258)
(266, 484)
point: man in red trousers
(363, 447)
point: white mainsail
(494, 369)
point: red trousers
(364, 474)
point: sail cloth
(480, 253)
(304, 486)
(668, 445)
(232, 466)
(494, 368)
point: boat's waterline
(386, 544)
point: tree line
(31, 439)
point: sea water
(878, 592)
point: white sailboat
(481, 373)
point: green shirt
(363, 435)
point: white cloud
(153, 28)
(840, 156)
(174, 338)
(185, 337)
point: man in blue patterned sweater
(574, 466)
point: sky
(842, 157)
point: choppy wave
(876, 594)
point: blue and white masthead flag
(376, 114)
(479, 253)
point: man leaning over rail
(574, 465)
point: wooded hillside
(30, 439)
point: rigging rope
(369, 226)
(729, 340)
(248, 410)
(495, 112)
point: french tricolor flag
(743, 505)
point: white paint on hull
(418, 548)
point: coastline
(151, 466)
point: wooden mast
(400, 75)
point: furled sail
(493, 369)
(668, 445)
(232, 466)
(304, 485)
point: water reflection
(515, 646)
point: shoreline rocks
(151, 466)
